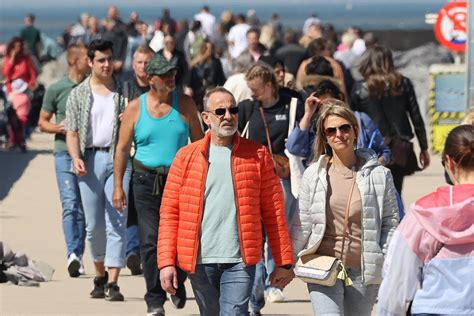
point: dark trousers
(148, 213)
(398, 181)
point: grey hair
(211, 92)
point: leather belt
(98, 148)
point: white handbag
(322, 270)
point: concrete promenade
(30, 221)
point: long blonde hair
(337, 108)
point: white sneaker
(275, 295)
(81, 269)
(73, 265)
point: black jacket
(391, 113)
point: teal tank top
(158, 139)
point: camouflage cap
(159, 65)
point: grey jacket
(379, 212)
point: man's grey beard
(221, 132)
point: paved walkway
(30, 221)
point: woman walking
(434, 244)
(347, 210)
(389, 99)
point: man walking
(159, 123)
(92, 122)
(31, 36)
(219, 190)
(133, 88)
(54, 103)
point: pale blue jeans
(106, 228)
(339, 300)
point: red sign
(451, 26)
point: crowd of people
(181, 152)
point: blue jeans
(133, 244)
(73, 214)
(222, 289)
(262, 281)
(106, 227)
(357, 299)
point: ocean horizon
(368, 16)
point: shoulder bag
(282, 163)
(325, 270)
(403, 159)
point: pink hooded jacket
(433, 245)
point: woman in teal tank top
(158, 139)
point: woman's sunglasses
(221, 111)
(344, 128)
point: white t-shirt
(157, 42)
(237, 85)
(208, 22)
(238, 35)
(359, 47)
(101, 120)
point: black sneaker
(112, 292)
(179, 299)
(155, 311)
(133, 263)
(99, 284)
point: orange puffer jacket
(258, 197)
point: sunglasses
(221, 111)
(344, 128)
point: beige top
(339, 186)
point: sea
(381, 15)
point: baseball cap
(159, 65)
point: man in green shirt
(31, 35)
(54, 103)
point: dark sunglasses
(344, 128)
(221, 111)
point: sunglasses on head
(344, 128)
(221, 111)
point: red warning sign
(451, 26)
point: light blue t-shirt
(219, 241)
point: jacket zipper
(203, 186)
(242, 253)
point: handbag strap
(267, 132)
(346, 215)
(292, 115)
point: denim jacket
(300, 142)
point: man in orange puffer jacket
(219, 191)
